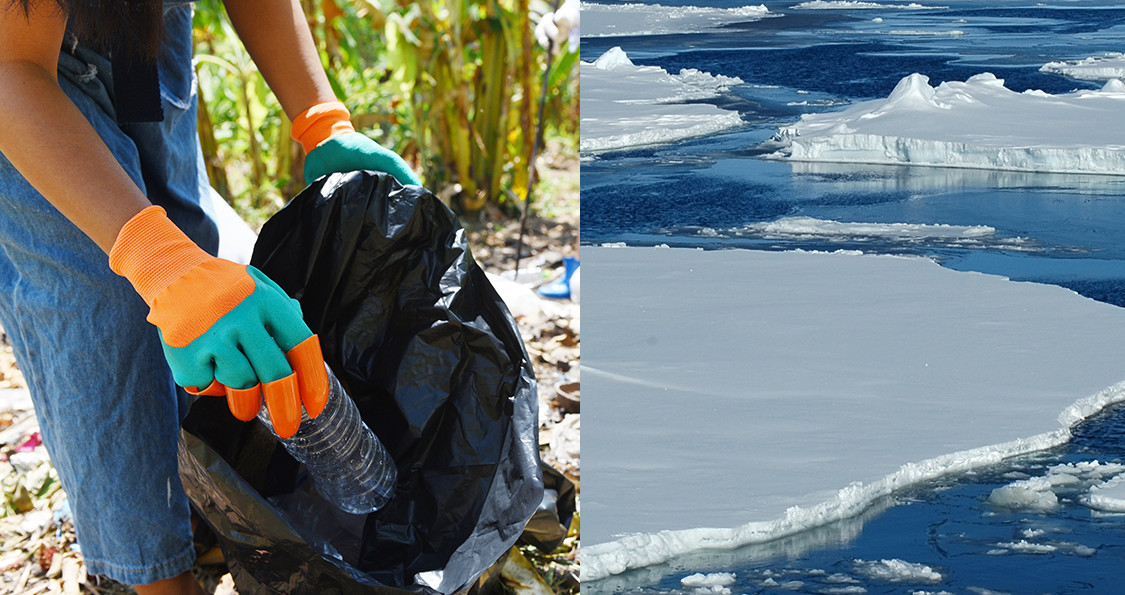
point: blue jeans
(108, 409)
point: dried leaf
(519, 575)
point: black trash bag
(547, 528)
(435, 363)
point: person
(553, 27)
(110, 290)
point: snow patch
(613, 59)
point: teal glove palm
(353, 151)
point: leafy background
(452, 86)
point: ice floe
(757, 395)
(855, 4)
(897, 571)
(603, 20)
(1108, 496)
(715, 582)
(978, 123)
(1096, 68)
(1042, 493)
(624, 105)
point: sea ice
(624, 105)
(805, 228)
(978, 123)
(709, 581)
(759, 394)
(1027, 547)
(897, 571)
(603, 20)
(1108, 496)
(1041, 493)
(1096, 68)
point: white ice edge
(646, 549)
(888, 150)
(977, 124)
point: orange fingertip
(215, 389)
(307, 361)
(245, 403)
(284, 404)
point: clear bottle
(348, 465)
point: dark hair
(134, 27)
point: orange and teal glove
(224, 326)
(332, 145)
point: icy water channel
(720, 192)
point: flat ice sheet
(978, 123)
(724, 387)
(624, 105)
(602, 20)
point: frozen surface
(978, 123)
(602, 20)
(1097, 68)
(855, 4)
(751, 395)
(624, 105)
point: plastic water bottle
(348, 465)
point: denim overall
(108, 409)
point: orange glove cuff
(320, 123)
(151, 252)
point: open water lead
(348, 465)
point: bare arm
(277, 36)
(44, 134)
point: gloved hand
(223, 326)
(332, 145)
(561, 24)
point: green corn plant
(470, 70)
(451, 85)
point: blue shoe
(560, 289)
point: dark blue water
(1067, 230)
